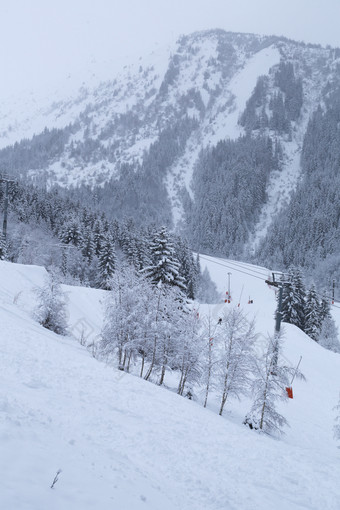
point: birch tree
(272, 376)
(237, 354)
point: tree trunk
(153, 359)
(142, 367)
(224, 395)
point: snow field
(122, 442)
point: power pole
(278, 312)
(7, 180)
(229, 295)
(278, 317)
(333, 292)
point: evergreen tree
(188, 269)
(71, 233)
(312, 314)
(165, 267)
(293, 299)
(88, 246)
(325, 309)
(107, 263)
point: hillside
(123, 442)
(206, 138)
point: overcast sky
(44, 39)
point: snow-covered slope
(124, 443)
(207, 76)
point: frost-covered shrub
(50, 310)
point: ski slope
(123, 443)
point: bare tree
(237, 354)
(51, 310)
(272, 377)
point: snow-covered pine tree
(51, 311)
(165, 267)
(98, 237)
(71, 233)
(236, 364)
(293, 299)
(88, 245)
(107, 263)
(325, 309)
(188, 269)
(312, 314)
(269, 386)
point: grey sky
(45, 38)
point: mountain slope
(209, 77)
(124, 442)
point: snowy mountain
(208, 77)
(120, 441)
(230, 139)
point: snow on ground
(283, 183)
(222, 121)
(122, 442)
(57, 104)
(225, 124)
(280, 187)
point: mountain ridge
(138, 140)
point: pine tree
(165, 267)
(71, 233)
(312, 314)
(325, 309)
(188, 267)
(88, 246)
(107, 263)
(293, 299)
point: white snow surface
(124, 443)
(222, 122)
(241, 86)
